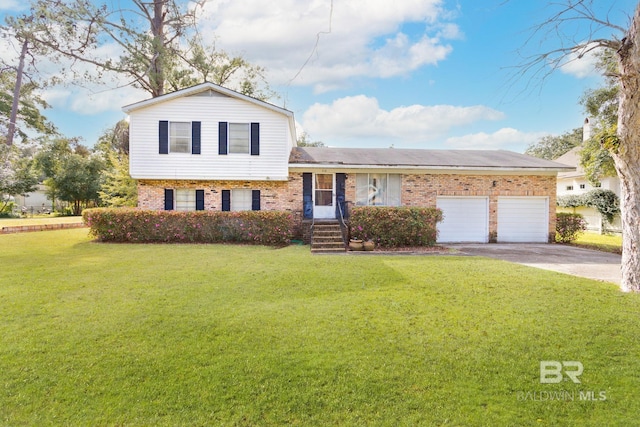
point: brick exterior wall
(417, 190)
(422, 190)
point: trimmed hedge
(145, 226)
(569, 226)
(391, 227)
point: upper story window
(179, 137)
(569, 187)
(583, 186)
(239, 138)
(598, 184)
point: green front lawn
(107, 334)
(602, 242)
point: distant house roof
(571, 158)
(397, 158)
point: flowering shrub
(395, 227)
(144, 226)
(569, 226)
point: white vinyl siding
(523, 219)
(179, 137)
(241, 200)
(185, 200)
(239, 138)
(275, 141)
(378, 189)
(466, 219)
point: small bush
(144, 226)
(395, 227)
(569, 226)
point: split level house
(210, 148)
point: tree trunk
(627, 157)
(11, 131)
(156, 73)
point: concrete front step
(327, 238)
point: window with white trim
(569, 187)
(241, 199)
(378, 189)
(239, 138)
(583, 186)
(185, 199)
(180, 137)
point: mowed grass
(105, 334)
(602, 242)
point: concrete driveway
(564, 259)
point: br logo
(553, 372)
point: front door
(324, 201)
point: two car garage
(519, 219)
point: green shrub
(144, 226)
(570, 201)
(604, 201)
(395, 227)
(569, 226)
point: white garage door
(523, 219)
(466, 219)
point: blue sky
(407, 73)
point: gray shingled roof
(412, 158)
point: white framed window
(569, 187)
(185, 199)
(239, 138)
(241, 199)
(180, 137)
(378, 189)
(583, 186)
(598, 185)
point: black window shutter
(168, 199)
(226, 200)
(307, 197)
(255, 200)
(255, 139)
(163, 137)
(222, 138)
(195, 137)
(199, 200)
(341, 179)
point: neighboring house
(34, 202)
(575, 183)
(210, 148)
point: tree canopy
(551, 147)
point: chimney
(586, 130)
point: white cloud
(355, 38)
(505, 138)
(360, 117)
(581, 63)
(13, 5)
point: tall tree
(551, 147)
(602, 106)
(624, 146)
(158, 43)
(72, 173)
